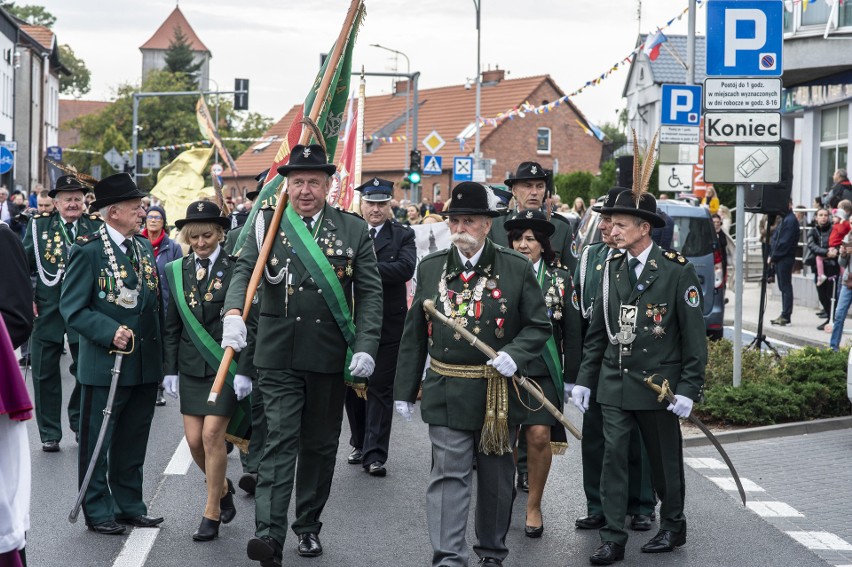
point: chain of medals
(127, 298)
(554, 294)
(47, 280)
(625, 330)
(465, 307)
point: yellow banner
(182, 182)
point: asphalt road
(381, 522)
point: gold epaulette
(675, 257)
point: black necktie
(205, 264)
(69, 228)
(131, 254)
(373, 233)
(631, 270)
(468, 266)
(309, 222)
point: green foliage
(615, 132)
(808, 383)
(569, 186)
(601, 184)
(33, 15)
(78, 82)
(179, 56)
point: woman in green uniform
(198, 284)
(529, 233)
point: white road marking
(136, 548)
(179, 464)
(727, 483)
(774, 510)
(705, 463)
(821, 540)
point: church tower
(154, 50)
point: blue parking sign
(681, 105)
(745, 38)
(7, 160)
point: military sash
(239, 427)
(315, 262)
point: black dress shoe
(590, 522)
(227, 510)
(607, 554)
(640, 523)
(266, 550)
(665, 541)
(490, 561)
(248, 482)
(107, 528)
(376, 469)
(355, 457)
(207, 531)
(141, 521)
(534, 531)
(50, 446)
(524, 482)
(161, 399)
(309, 545)
(822, 326)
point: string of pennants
(177, 146)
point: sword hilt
(132, 343)
(664, 391)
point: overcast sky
(276, 44)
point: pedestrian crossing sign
(432, 165)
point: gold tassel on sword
(523, 382)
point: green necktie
(131, 254)
(631, 271)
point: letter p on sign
(734, 42)
(682, 101)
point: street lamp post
(407, 96)
(477, 156)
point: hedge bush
(807, 383)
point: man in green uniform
(647, 323)
(322, 262)
(109, 297)
(641, 499)
(467, 401)
(47, 242)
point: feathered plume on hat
(643, 167)
(85, 180)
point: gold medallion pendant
(200, 273)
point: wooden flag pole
(269, 240)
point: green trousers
(251, 460)
(304, 413)
(115, 490)
(47, 389)
(661, 434)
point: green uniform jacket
(459, 403)
(564, 314)
(562, 241)
(679, 354)
(87, 311)
(305, 336)
(179, 352)
(589, 285)
(46, 232)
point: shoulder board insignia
(87, 238)
(44, 215)
(95, 216)
(674, 256)
(615, 256)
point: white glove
(503, 364)
(568, 388)
(234, 332)
(170, 385)
(242, 386)
(362, 365)
(405, 409)
(581, 396)
(682, 406)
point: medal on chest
(655, 313)
(627, 326)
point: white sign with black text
(755, 127)
(742, 93)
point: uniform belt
(495, 429)
(463, 370)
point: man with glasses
(47, 242)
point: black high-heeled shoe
(207, 531)
(226, 504)
(533, 531)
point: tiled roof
(40, 34)
(448, 110)
(666, 69)
(166, 33)
(69, 109)
(255, 160)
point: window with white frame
(542, 141)
(816, 16)
(834, 143)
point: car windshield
(693, 236)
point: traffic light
(415, 170)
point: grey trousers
(449, 491)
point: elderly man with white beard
(467, 401)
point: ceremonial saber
(116, 371)
(665, 394)
(523, 382)
(269, 240)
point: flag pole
(263, 253)
(359, 143)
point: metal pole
(738, 285)
(407, 97)
(477, 4)
(135, 136)
(415, 78)
(690, 45)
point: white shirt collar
(212, 256)
(65, 221)
(378, 229)
(536, 265)
(642, 257)
(472, 260)
(116, 237)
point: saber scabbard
(522, 381)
